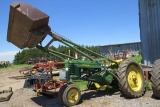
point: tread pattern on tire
(61, 92)
(155, 78)
(123, 82)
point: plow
(28, 27)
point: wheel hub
(134, 78)
(72, 95)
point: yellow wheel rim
(34, 72)
(97, 85)
(72, 95)
(134, 78)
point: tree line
(23, 56)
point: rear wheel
(71, 95)
(131, 79)
(91, 85)
(155, 79)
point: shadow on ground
(47, 100)
(53, 101)
(88, 94)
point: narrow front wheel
(71, 95)
(61, 92)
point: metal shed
(136, 46)
(149, 21)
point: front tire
(155, 79)
(61, 92)
(71, 95)
(131, 79)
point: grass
(148, 85)
(81, 84)
(16, 67)
(137, 58)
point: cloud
(8, 56)
(8, 53)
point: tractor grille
(71, 68)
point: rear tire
(131, 79)
(155, 79)
(91, 86)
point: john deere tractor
(28, 27)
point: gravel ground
(26, 97)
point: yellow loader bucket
(24, 18)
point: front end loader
(28, 27)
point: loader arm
(76, 47)
(55, 53)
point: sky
(85, 22)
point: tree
(23, 56)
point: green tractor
(99, 71)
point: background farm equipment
(43, 67)
(4, 64)
(99, 70)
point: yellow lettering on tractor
(86, 65)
